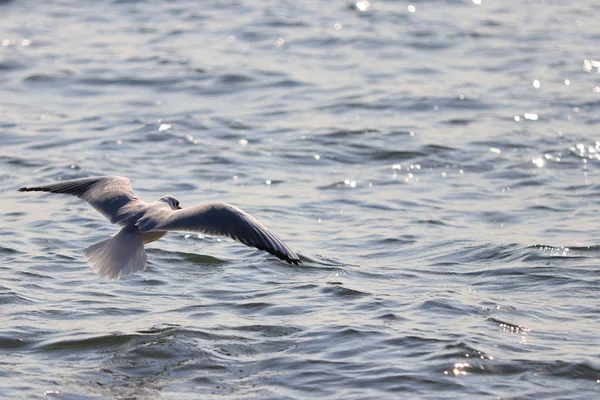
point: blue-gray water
(436, 164)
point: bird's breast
(152, 236)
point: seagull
(123, 253)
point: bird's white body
(143, 223)
(150, 237)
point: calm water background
(436, 164)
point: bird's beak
(179, 207)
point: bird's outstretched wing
(221, 219)
(112, 196)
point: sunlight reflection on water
(438, 180)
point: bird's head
(171, 201)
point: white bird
(123, 253)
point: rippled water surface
(436, 165)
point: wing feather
(222, 219)
(112, 196)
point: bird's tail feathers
(119, 255)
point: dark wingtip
(284, 257)
(294, 261)
(33, 189)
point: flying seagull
(123, 253)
